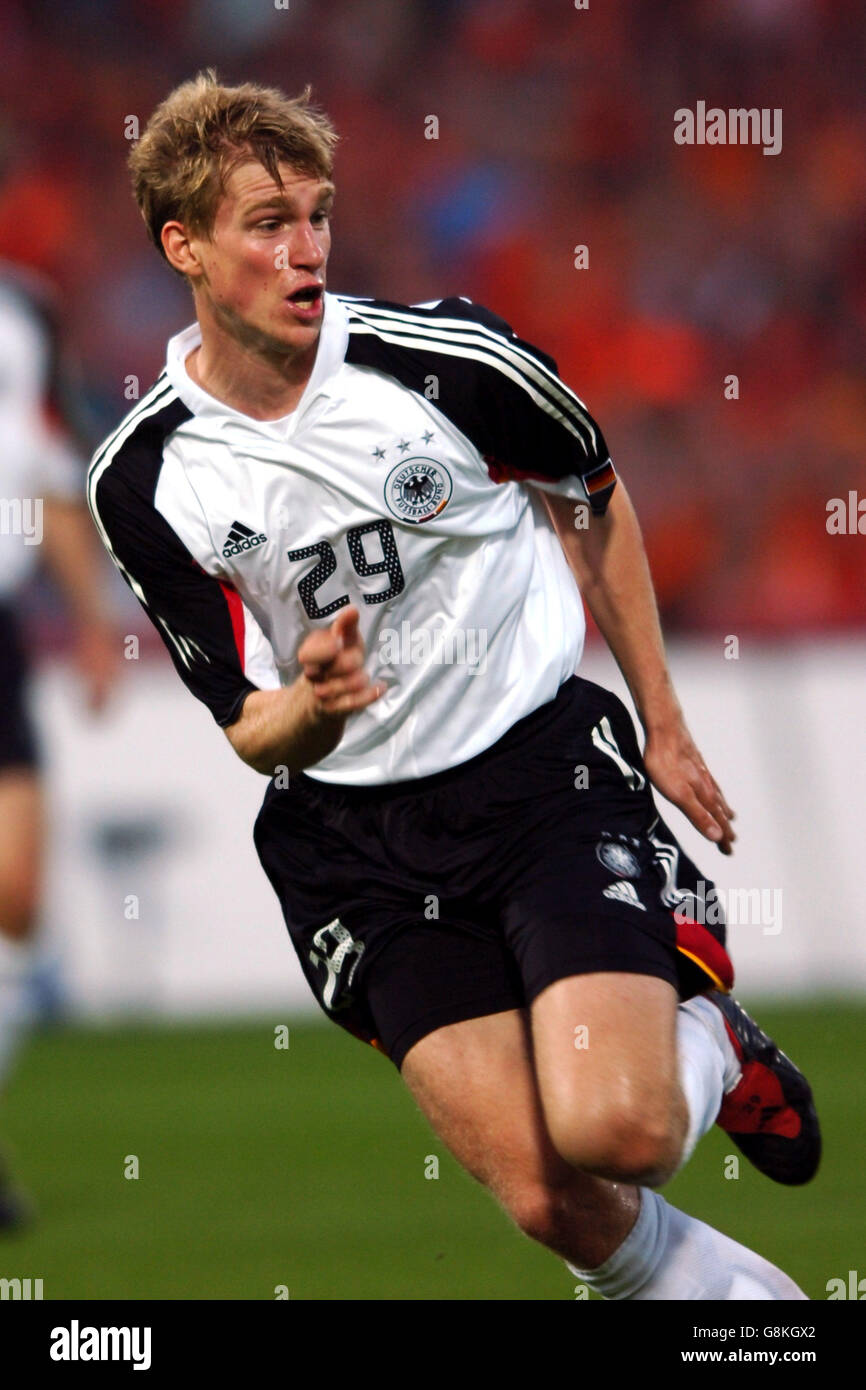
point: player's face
(265, 259)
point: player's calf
(576, 1216)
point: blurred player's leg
(21, 831)
(21, 837)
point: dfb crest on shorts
(337, 947)
(418, 489)
(619, 856)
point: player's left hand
(677, 770)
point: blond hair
(202, 129)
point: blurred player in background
(292, 494)
(43, 518)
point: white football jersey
(399, 485)
(36, 456)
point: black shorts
(18, 742)
(423, 903)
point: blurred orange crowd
(718, 327)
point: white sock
(709, 1066)
(668, 1255)
(15, 962)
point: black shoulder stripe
(461, 321)
(501, 392)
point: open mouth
(306, 297)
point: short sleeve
(201, 619)
(40, 403)
(505, 395)
(538, 430)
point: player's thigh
(475, 1083)
(606, 1063)
(21, 839)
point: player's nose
(306, 248)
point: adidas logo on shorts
(624, 893)
(241, 538)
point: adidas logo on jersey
(241, 538)
(624, 893)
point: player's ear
(179, 250)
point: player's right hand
(332, 660)
(677, 770)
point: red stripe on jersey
(699, 944)
(595, 481)
(236, 613)
(503, 473)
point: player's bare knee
(621, 1142)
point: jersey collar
(330, 354)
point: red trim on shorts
(699, 944)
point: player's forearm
(72, 557)
(610, 565)
(283, 728)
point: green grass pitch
(305, 1167)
